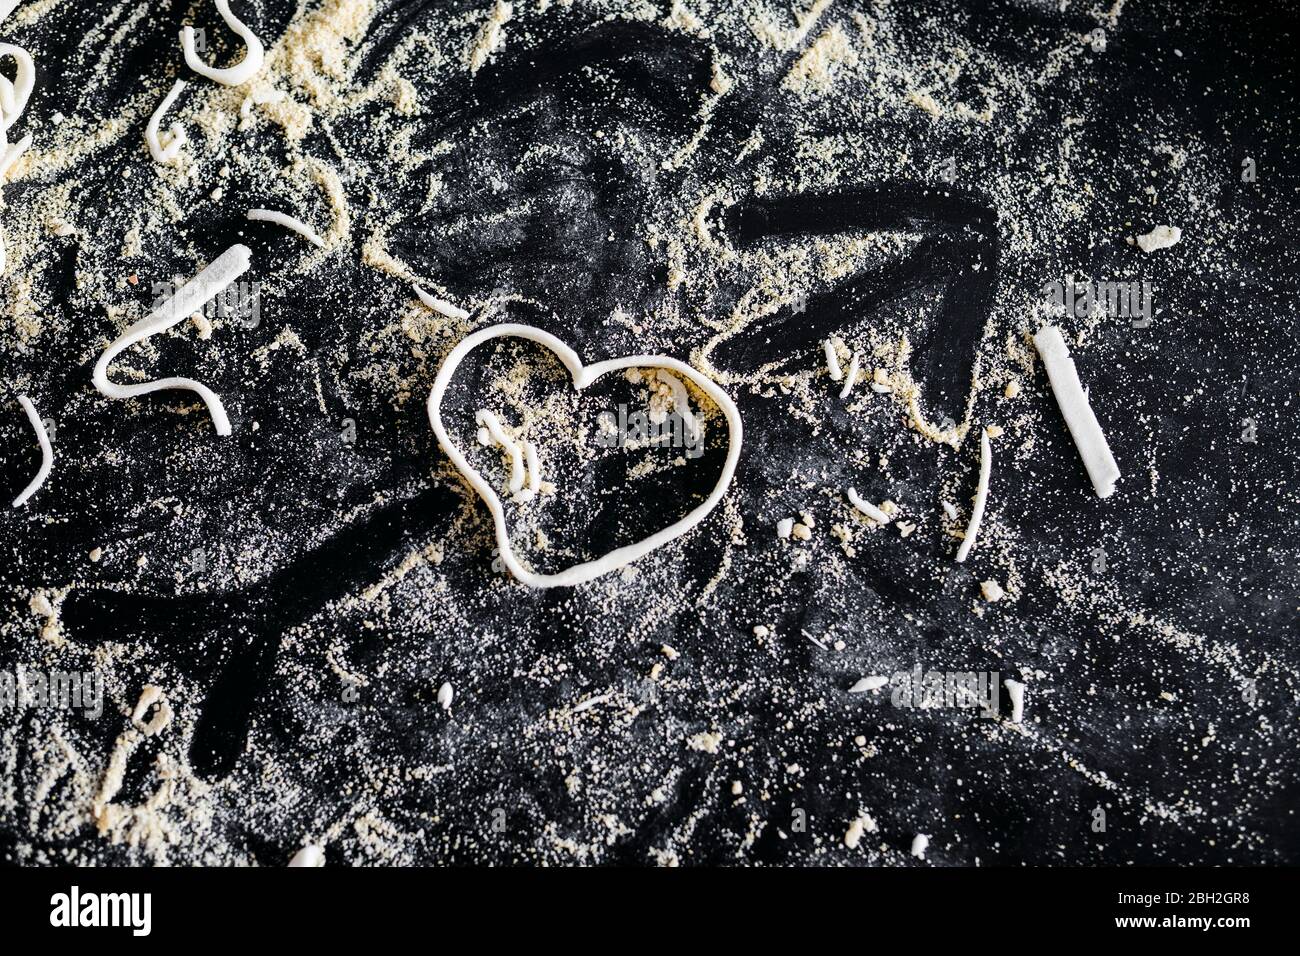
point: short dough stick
(981, 498)
(1079, 418)
(292, 223)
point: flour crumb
(707, 742)
(862, 825)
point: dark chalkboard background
(1212, 550)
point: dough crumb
(874, 682)
(1016, 691)
(1161, 237)
(862, 825)
(311, 855)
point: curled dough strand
(47, 452)
(13, 100)
(14, 96)
(225, 269)
(241, 72)
(981, 498)
(168, 153)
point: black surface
(1211, 550)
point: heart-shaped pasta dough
(582, 375)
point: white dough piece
(47, 452)
(292, 223)
(534, 469)
(241, 72)
(14, 96)
(851, 378)
(866, 507)
(1161, 237)
(833, 361)
(583, 376)
(785, 527)
(441, 306)
(10, 156)
(12, 153)
(309, 856)
(1079, 418)
(681, 404)
(489, 421)
(189, 298)
(159, 152)
(13, 100)
(1016, 691)
(981, 496)
(875, 682)
(920, 843)
(445, 695)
